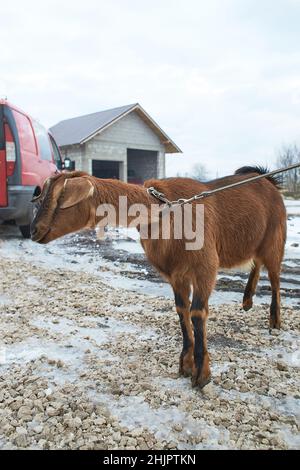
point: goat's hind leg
(182, 291)
(274, 276)
(199, 313)
(251, 286)
(202, 375)
(273, 266)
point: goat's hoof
(186, 365)
(185, 371)
(200, 382)
(247, 304)
(271, 329)
(274, 324)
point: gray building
(124, 143)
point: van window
(56, 153)
(25, 132)
(43, 141)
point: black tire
(25, 230)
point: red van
(28, 155)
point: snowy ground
(89, 352)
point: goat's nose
(32, 228)
(33, 233)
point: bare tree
(289, 155)
(197, 172)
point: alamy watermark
(178, 222)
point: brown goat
(241, 224)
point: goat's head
(64, 206)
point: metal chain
(161, 197)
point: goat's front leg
(199, 313)
(186, 361)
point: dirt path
(84, 365)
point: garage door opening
(106, 169)
(141, 165)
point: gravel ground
(85, 365)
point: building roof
(80, 129)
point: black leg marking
(186, 342)
(197, 303)
(247, 293)
(199, 344)
(179, 300)
(274, 305)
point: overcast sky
(221, 77)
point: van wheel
(25, 230)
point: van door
(3, 175)
(29, 152)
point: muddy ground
(86, 242)
(88, 364)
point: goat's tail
(275, 180)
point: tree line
(289, 155)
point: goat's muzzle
(39, 236)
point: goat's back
(242, 221)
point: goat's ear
(74, 191)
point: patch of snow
(292, 440)
(131, 247)
(293, 237)
(72, 355)
(291, 359)
(228, 277)
(2, 355)
(125, 233)
(102, 333)
(292, 206)
(33, 281)
(134, 412)
(75, 342)
(34, 348)
(291, 263)
(286, 405)
(4, 300)
(4, 445)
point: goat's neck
(114, 192)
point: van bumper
(19, 206)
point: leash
(161, 197)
